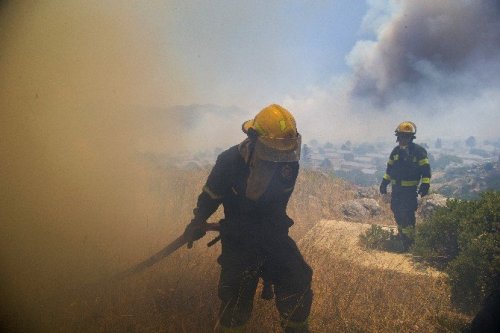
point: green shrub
(464, 239)
(475, 272)
(375, 238)
(436, 239)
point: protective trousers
(282, 262)
(403, 205)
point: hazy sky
(346, 69)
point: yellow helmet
(406, 127)
(274, 122)
(278, 139)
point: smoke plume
(433, 62)
(440, 46)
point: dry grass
(355, 298)
(180, 293)
(318, 196)
(371, 291)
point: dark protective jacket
(226, 185)
(408, 167)
(255, 241)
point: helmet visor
(278, 149)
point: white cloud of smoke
(433, 62)
(444, 46)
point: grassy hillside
(180, 293)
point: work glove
(194, 231)
(383, 186)
(423, 190)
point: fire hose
(165, 252)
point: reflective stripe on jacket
(408, 167)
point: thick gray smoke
(444, 47)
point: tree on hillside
(470, 142)
(326, 164)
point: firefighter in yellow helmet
(253, 181)
(408, 169)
